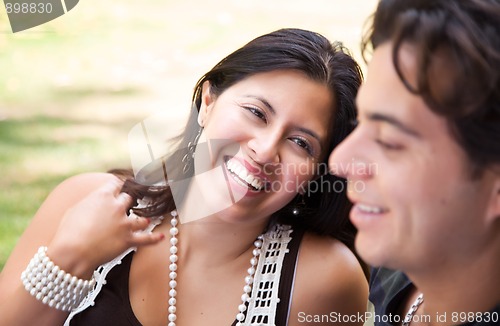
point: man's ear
(494, 204)
(206, 106)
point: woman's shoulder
(70, 191)
(85, 182)
(330, 253)
(329, 279)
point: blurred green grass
(71, 89)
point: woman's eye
(389, 146)
(303, 143)
(256, 112)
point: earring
(188, 158)
(299, 207)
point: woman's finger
(124, 199)
(144, 239)
(139, 223)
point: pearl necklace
(240, 316)
(414, 307)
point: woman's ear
(206, 106)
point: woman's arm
(84, 224)
(329, 284)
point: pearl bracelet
(48, 283)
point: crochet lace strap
(264, 300)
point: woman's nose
(265, 148)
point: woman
(270, 113)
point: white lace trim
(264, 299)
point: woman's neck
(215, 241)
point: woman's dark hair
(464, 35)
(327, 208)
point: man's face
(418, 204)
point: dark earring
(299, 207)
(188, 158)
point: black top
(112, 304)
(388, 288)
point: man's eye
(389, 146)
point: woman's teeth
(243, 175)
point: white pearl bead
(172, 317)
(240, 317)
(172, 309)
(172, 293)
(173, 267)
(172, 284)
(247, 289)
(253, 261)
(245, 297)
(173, 241)
(171, 323)
(242, 307)
(248, 279)
(173, 275)
(172, 301)
(173, 258)
(173, 221)
(174, 231)
(173, 250)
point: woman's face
(265, 135)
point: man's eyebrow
(394, 122)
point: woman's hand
(97, 229)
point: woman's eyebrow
(265, 102)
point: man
(429, 121)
